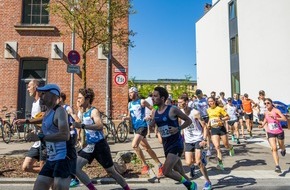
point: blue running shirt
(92, 136)
(163, 122)
(137, 114)
(55, 150)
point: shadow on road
(237, 182)
(248, 162)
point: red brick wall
(38, 44)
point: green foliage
(95, 22)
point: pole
(72, 74)
(73, 37)
(108, 71)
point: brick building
(36, 46)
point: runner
(233, 121)
(217, 117)
(33, 154)
(166, 118)
(274, 130)
(248, 105)
(61, 161)
(195, 137)
(136, 112)
(97, 147)
(238, 103)
(148, 113)
(201, 105)
(261, 106)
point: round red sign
(120, 79)
(74, 57)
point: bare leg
(119, 179)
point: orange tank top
(247, 106)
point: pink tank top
(273, 125)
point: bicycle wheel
(122, 132)
(105, 131)
(6, 133)
(16, 130)
(28, 129)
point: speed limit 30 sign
(120, 79)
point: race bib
(164, 131)
(89, 148)
(273, 126)
(50, 148)
(36, 144)
(214, 123)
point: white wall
(212, 50)
(264, 48)
(264, 37)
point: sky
(165, 38)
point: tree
(95, 22)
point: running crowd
(190, 128)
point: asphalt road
(273, 184)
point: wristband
(83, 126)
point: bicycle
(122, 131)
(30, 130)
(109, 129)
(8, 127)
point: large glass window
(235, 45)
(232, 10)
(34, 12)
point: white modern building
(244, 46)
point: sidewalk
(252, 160)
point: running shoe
(278, 169)
(207, 186)
(233, 138)
(220, 165)
(193, 186)
(238, 141)
(192, 171)
(203, 157)
(160, 171)
(145, 169)
(74, 183)
(283, 152)
(208, 153)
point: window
(234, 45)
(34, 69)
(232, 10)
(34, 12)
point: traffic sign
(73, 69)
(74, 57)
(120, 79)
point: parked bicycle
(122, 130)
(30, 130)
(109, 129)
(8, 127)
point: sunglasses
(267, 103)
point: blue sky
(165, 39)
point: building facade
(35, 45)
(242, 46)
